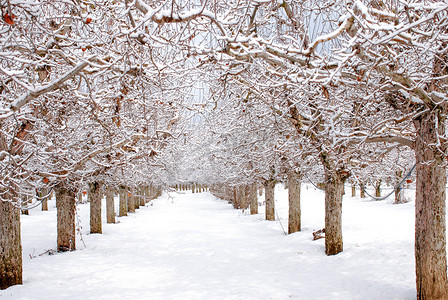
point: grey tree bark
(110, 206)
(95, 207)
(294, 183)
(66, 205)
(269, 196)
(10, 246)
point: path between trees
(194, 246)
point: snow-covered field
(194, 246)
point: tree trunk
(123, 202)
(247, 189)
(399, 196)
(334, 186)
(229, 191)
(10, 246)
(10, 240)
(153, 192)
(236, 199)
(65, 204)
(147, 193)
(430, 227)
(362, 188)
(24, 203)
(242, 196)
(294, 223)
(253, 199)
(269, 197)
(353, 190)
(44, 193)
(110, 206)
(142, 196)
(95, 208)
(378, 189)
(131, 201)
(136, 195)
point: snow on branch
(86, 158)
(398, 29)
(346, 24)
(167, 16)
(367, 12)
(391, 139)
(24, 99)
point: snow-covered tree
(393, 51)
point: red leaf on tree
(88, 20)
(45, 179)
(9, 18)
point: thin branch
(23, 100)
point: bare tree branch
(21, 101)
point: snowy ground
(194, 246)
